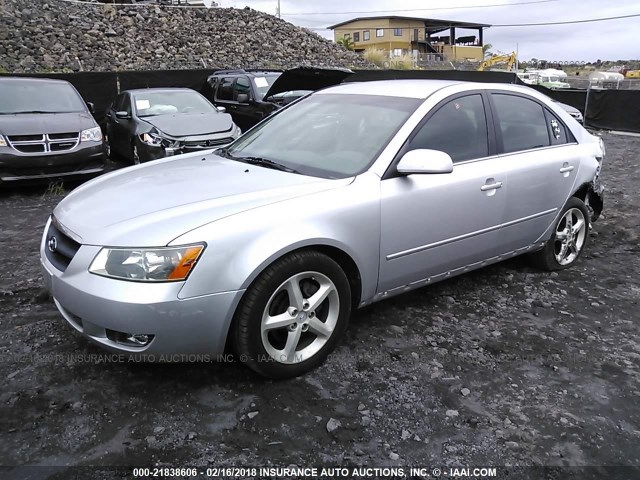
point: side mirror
(243, 98)
(92, 107)
(425, 161)
(122, 114)
(221, 109)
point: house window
(356, 37)
(380, 32)
(397, 32)
(366, 35)
(347, 36)
(397, 52)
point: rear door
(433, 224)
(540, 157)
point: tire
(563, 249)
(135, 156)
(107, 147)
(282, 332)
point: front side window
(225, 89)
(380, 32)
(522, 123)
(458, 128)
(366, 35)
(242, 86)
(397, 32)
(327, 135)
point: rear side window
(225, 89)
(522, 122)
(557, 130)
(458, 128)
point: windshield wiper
(265, 162)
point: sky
(608, 40)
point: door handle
(491, 186)
(567, 169)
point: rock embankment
(41, 36)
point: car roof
(392, 88)
(420, 89)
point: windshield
(327, 135)
(26, 96)
(150, 103)
(263, 84)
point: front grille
(64, 136)
(26, 138)
(207, 143)
(47, 143)
(32, 148)
(59, 248)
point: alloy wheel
(300, 317)
(570, 236)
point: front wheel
(293, 315)
(568, 240)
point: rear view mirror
(221, 109)
(91, 107)
(243, 98)
(425, 161)
(122, 114)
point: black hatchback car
(46, 131)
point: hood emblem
(52, 244)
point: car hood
(39, 123)
(191, 124)
(152, 204)
(307, 78)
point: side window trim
(491, 134)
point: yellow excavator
(510, 59)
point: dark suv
(251, 95)
(46, 131)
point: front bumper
(82, 160)
(97, 307)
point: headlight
(168, 264)
(151, 139)
(3, 142)
(91, 135)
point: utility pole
(279, 9)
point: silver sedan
(351, 195)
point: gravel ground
(503, 366)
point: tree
(347, 43)
(486, 50)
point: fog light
(130, 339)
(139, 339)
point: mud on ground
(503, 366)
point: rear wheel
(568, 239)
(293, 315)
(135, 156)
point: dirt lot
(504, 366)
